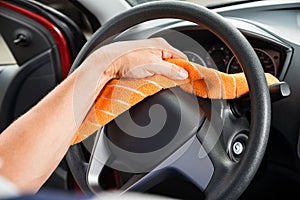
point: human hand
(139, 59)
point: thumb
(169, 70)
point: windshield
(201, 2)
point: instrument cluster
(207, 50)
(218, 56)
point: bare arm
(32, 146)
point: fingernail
(183, 74)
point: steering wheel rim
(243, 173)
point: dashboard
(211, 52)
(277, 55)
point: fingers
(147, 62)
(140, 59)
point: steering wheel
(218, 175)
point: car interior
(244, 148)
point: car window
(6, 57)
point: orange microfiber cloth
(120, 94)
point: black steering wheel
(219, 175)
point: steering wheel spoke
(181, 161)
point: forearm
(32, 147)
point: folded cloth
(120, 94)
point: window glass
(6, 57)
